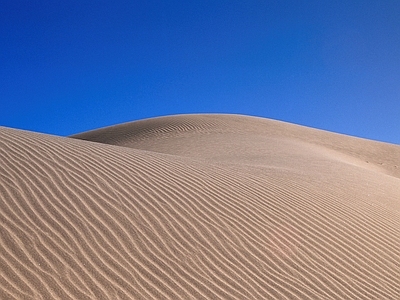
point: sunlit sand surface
(199, 207)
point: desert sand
(199, 207)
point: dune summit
(199, 207)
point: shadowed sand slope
(199, 207)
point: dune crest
(199, 207)
(220, 137)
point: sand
(199, 207)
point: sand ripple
(199, 207)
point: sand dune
(199, 207)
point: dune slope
(199, 207)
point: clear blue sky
(68, 66)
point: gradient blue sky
(68, 66)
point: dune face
(199, 207)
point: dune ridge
(199, 207)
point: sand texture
(199, 207)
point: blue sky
(71, 66)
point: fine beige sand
(199, 207)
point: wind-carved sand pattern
(199, 207)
